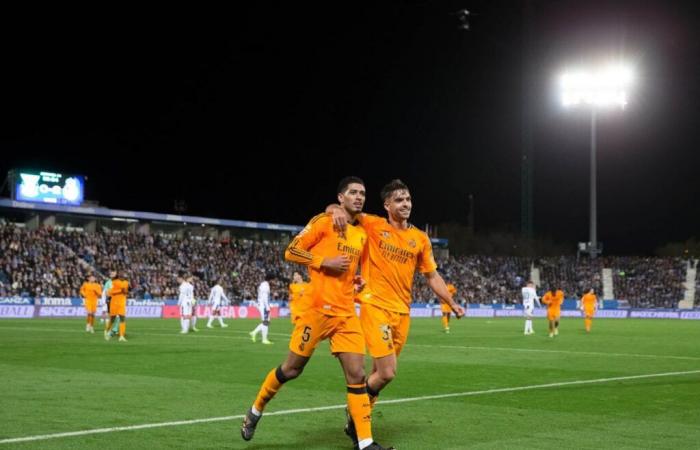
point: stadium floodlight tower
(602, 88)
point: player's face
(399, 205)
(296, 277)
(91, 279)
(353, 198)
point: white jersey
(186, 294)
(530, 297)
(264, 296)
(216, 295)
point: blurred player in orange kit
(90, 291)
(553, 299)
(589, 305)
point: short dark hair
(345, 182)
(269, 276)
(390, 187)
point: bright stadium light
(605, 87)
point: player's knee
(266, 322)
(387, 374)
(355, 375)
(291, 372)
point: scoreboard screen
(48, 187)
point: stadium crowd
(52, 262)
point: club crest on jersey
(412, 243)
(386, 234)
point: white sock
(528, 326)
(185, 324)
(211, 319)
(255, 411)
(257, 329)
(221, 320)
(194, 321)
(365, 443)
(264, 332)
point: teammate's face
(399, 205)
(296, 277)
(353, 198)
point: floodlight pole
(593, 230)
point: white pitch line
(536, 350)
(43, 437)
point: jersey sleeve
(298, 249)
(369, 220)
(426, 261)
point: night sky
(295, 97)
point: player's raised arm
(437, 284)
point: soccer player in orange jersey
(589, 305)
(332, 257)
(299, 296)
(447, 309)
(90, 291)
(553, 299)
(117, 307)
(396, 249)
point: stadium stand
(52, 261)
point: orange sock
(445, 322)
(122, 328)
(373, 396)
(273, 382)
(360, 410)
(588, 324)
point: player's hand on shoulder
(340, 219)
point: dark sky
(295, 97)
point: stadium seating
(53, 261)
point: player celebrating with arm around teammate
(396, 249)
(332, 257)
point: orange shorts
(312, 327)
(385, 331)
(90, 305)
(117, 307)
(588, 313)
(445, 308)
(553, 314)
(295, 313)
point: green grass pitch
(56, 378)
